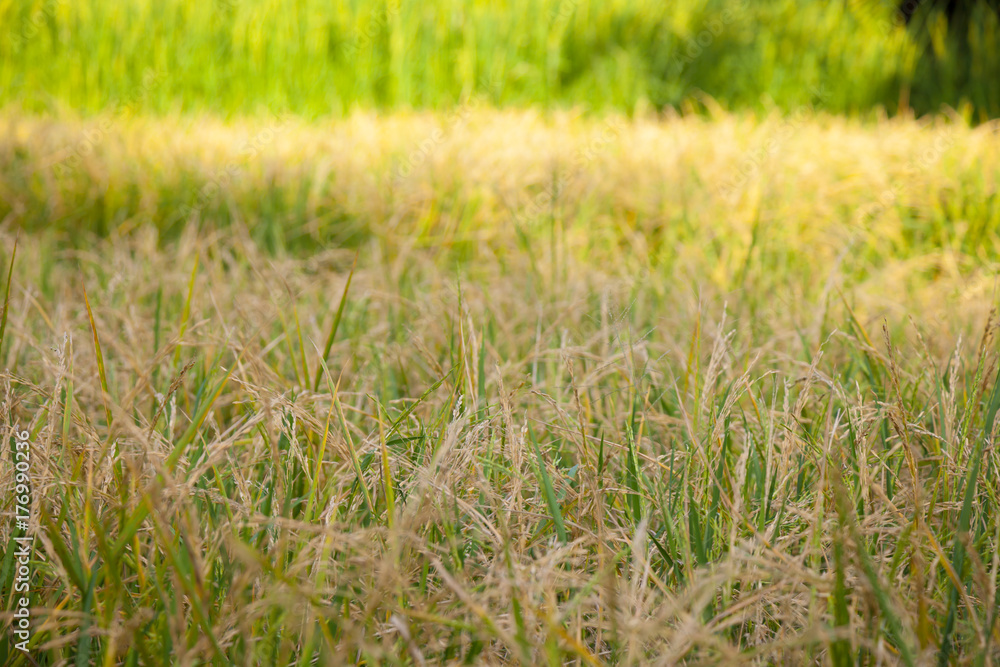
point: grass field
(316, 58)
(539, 332)
(503, 387)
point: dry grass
(653, 422)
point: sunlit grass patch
(568, 390)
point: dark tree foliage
(957, 11)
(965, 66)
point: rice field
(522, 333)
(316, 59)
(500, 387)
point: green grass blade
(550, 494)
(100, 359)
(845, 511)
(355, 462)
(186, 311)
(632, 477)
(958, 556)
(336, 324)
(85, 642)
(6, 297)
(68, 557)
(840, 649)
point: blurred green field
(316, 58)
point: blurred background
(315, 57)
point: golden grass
(643, 193)
(653, 422)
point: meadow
(316, 58)
(467, 349)
(542, 389)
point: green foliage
(316, 58)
